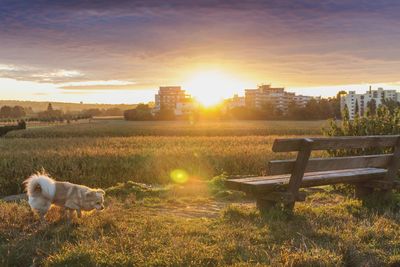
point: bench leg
(289, 206)
(265, 205)
(362, 192)
(386, 194)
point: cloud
(37, 74)
(153, 42)
(99, 85)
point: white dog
(44, 192)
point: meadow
(197, 223)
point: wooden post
(361, 191)
(393, 169)
(264, 205)
(394, 164)
(298, 171)
(387, 183)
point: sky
(121, 51)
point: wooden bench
(286, 177)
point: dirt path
(211, 209)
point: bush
(5, 129)
(384, 122)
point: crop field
(121, 128)
(103, 153)
(193, 223)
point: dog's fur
(43, 192)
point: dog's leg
(42, 216)
(64, 213)
(69, 215)
(79, 213)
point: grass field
(106, 152)
(194, 224)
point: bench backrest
(305, 145)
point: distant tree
(18, 112)
(335, 103)
(312, 110)
(165, 115)
(141, 113)
(294, 111)
(113, 112)
(269, 111)
(356, 108)
(391, 104)
(5, 129)
(6, 112)
(371, 107)
(51, 114)
(93, 112)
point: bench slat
(332, 143)
(329, 164)
(257, 185)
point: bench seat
(255, 185)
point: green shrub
(383, 122)
(218, 189)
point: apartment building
(264, 94)
(168, 97)
(186, 107)
(359, 102)
(302, 100)
(174, 98)
(235, 102)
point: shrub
(5, 129)
(218, 189)
(383, 122)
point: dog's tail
(40, 184)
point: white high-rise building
(359, 102)
(302, 100)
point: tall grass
(105, 161)
(91, 154)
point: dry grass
(153, 231)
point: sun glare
(211, 87)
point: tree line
(315, 109)
(9, 113)
(15, 112)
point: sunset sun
(212, 86)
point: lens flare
(179, 176)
